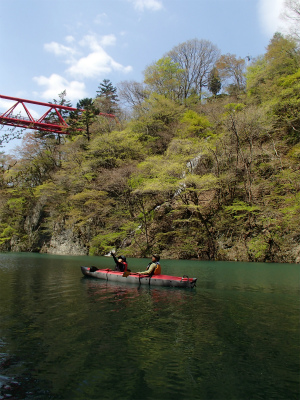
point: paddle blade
(126, 273)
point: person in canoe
(153, 268)
(121, 263)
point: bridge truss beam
(57, 125)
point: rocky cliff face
(63, 238)
(64, 242)
(57, 239)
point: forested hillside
(202, 162)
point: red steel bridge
(44, 123)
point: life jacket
(121, 266)
(157, 270)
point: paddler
(153, 268)
(121, 263)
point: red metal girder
(33, 125)
(39, 103)
(40, 124)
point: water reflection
(253, 277)
(149, 325)
(235, 336)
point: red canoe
(140, 279)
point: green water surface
(64, 336)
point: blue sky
(51, 46)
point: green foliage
(112, 150)
(6, 233)
(184, 148)
(234, 107)
(258, 247)
(214, 82)
(241, 210)
(211, 179)
(49, 190)
(200, 183)
(103, 243)
(87, 197)
(294, 153)
(157, 175)
(82, 120)
(16, 206)
(286, 105)
(155, 115)
(291, 212)
(107, 98)
(267, 75)
(195, 124)
(163, 78)
(256, 78)
(155, 122)
(106, 240)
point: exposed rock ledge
(65, 243)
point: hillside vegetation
(202, 163)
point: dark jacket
(120, 266)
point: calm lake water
(63, 336)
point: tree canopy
(205, 165)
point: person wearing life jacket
(153, 268)
(121, 263)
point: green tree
(164, 77)
(154, 182)
(274, 82)
(286, 106)
(84, 117)
(107, 98)
(264, 75)
(155, 122)
(214, 82)
(195, 124)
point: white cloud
(95, 44)
(59, 49)
(56, 84)
(98, 62)
(94, 62)
(269, 15)
(141, 5)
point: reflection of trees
(164, 341)
(88, 339)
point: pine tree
(214, 83)
(82, 120)
(107, 98)
(54, 118)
